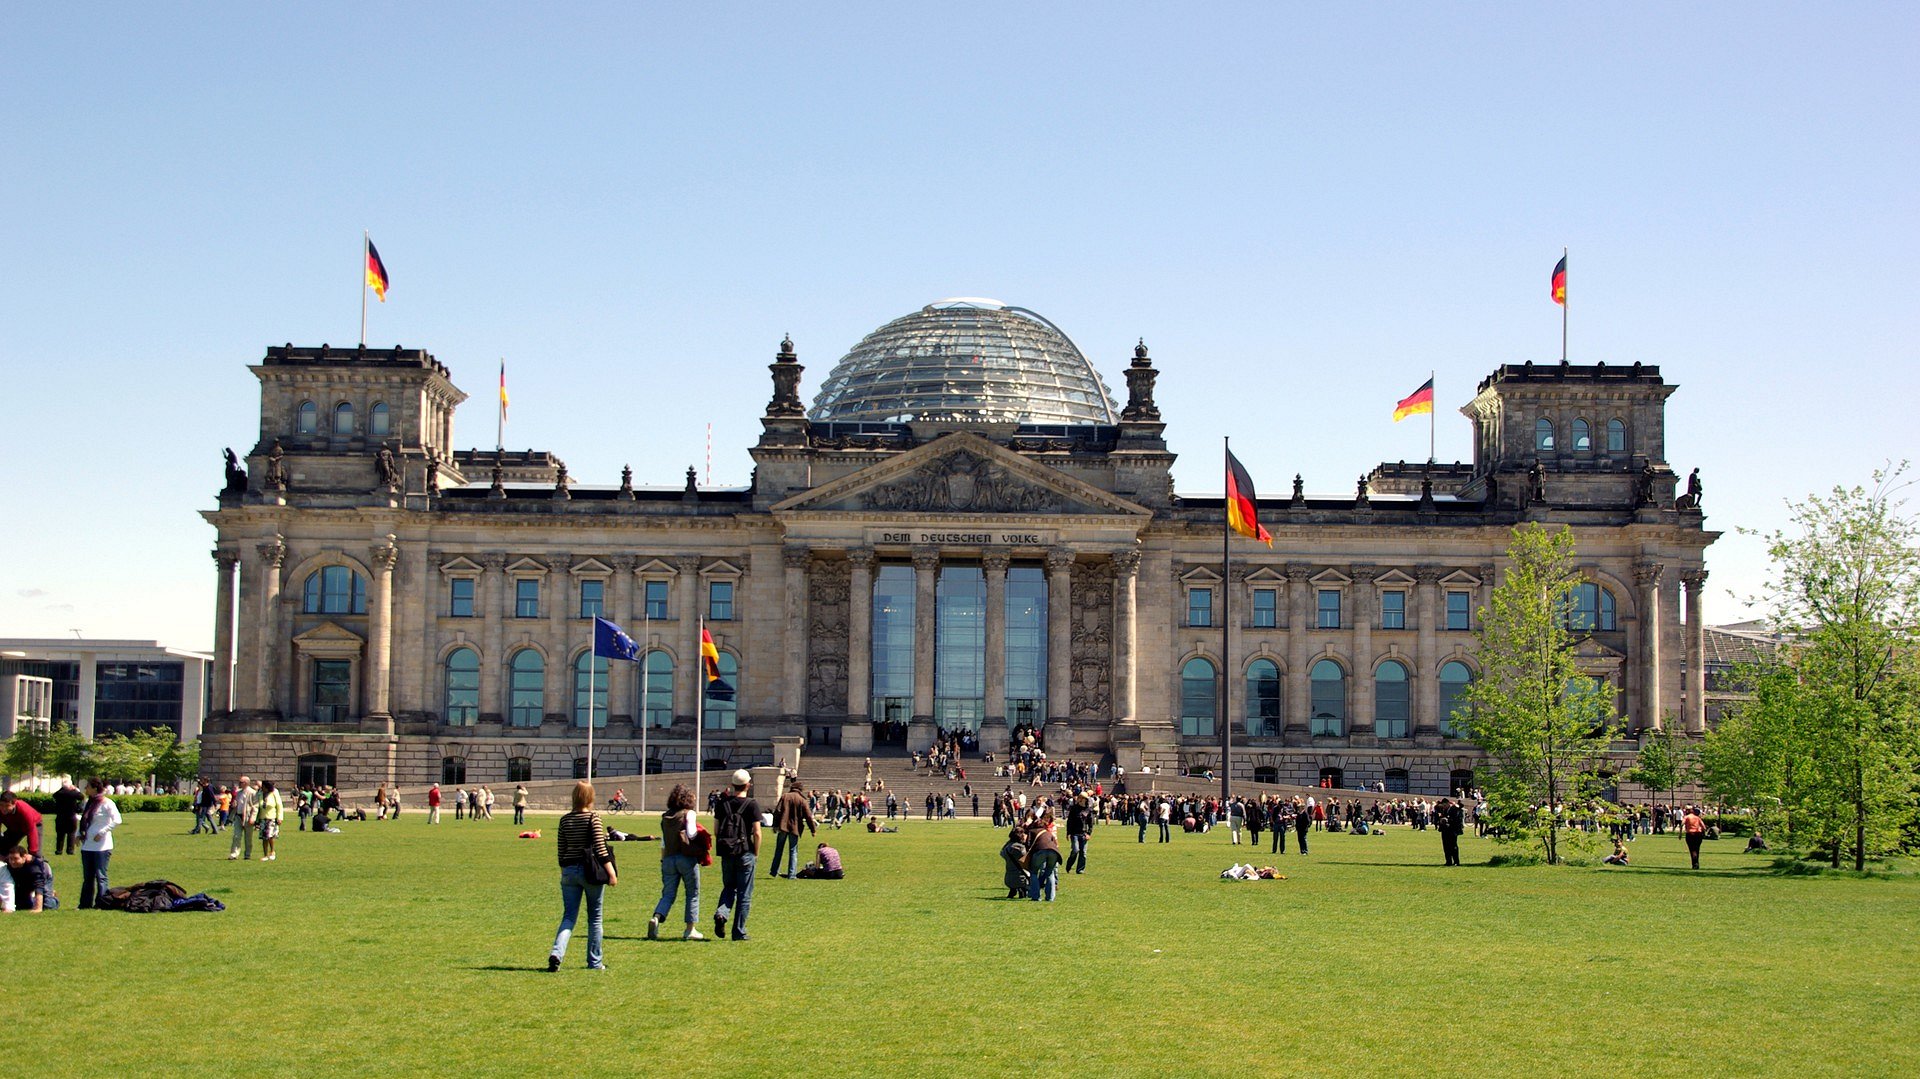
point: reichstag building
(968, 529)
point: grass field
(399, 949)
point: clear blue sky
(1303, 209)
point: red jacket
(23, 821)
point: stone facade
(401, 610)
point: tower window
(379, 421)
(1543, 434)
(1582, 439)
(308, 421)
(1616, 436)
(343, 419)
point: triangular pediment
(720, 567)
(460, 566)
(591, 567)
(1264, 575)
(527, 567)
(654, 567)
(1592, 650)
(1394, 578)
(329, 640)
(1200, 575)
(1460, 579)
(960, 473)
(1331, 577)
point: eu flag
(612, 642)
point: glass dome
(965, 359)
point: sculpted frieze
(962, 482)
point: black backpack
(731, 827)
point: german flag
(710, 662)
(1241, 516)
(376, 272)
(1560, 281)
(1413, 404)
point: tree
(1660, 763)
(1841, 717)
(35, 749)
(1544, 726)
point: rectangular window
(1199, 606)
(720, 601)
(657, 600)
(1265, 608)
(332, 689)
(526, 599)
(1393, 610)
(1459, 608)
(460, 597)
(1329, 609)
(593, 599)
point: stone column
(1426, 680)
(692, 683)
(377, 679)
(268, 647)
(620, 673)
(1365, 600)
(492, 601)
(1646, 578)
(1126, 581)
(860, 634)
(793, 690)
(193, 698)
(1695, 582)
(1300, 622)
(87, 694)
(224, 562)
(1059, 634)
(995, 564)
(1232, 607)
(926, 568)
(556, 596)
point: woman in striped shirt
(583, 838)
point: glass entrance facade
(892, 696)
(960, 647)
(1026, 616)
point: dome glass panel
(966, 360)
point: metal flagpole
(1563, 308)
(1432, 420)
(645, 720)
(1226, 623)
(591, 661)
(699, 711)
(366, 243)
(499, 408)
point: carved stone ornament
(1092, 642)
(961, 482)
(385, 555)
(827, 604)
(274, 552)
(276, 468)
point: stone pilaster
(1646, 579)
(622, 675)
(1426, 680)
(860, 634)
(1300, 620)
(793, 690)
(1059, 634)
(377, 680)
(493, 601)
(1696, 583)
(994, 712)
(268, 644)
(225, 562)
(1365, 605)
(1126, 624)
(686, 689)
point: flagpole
(499, 409)
(1432, 421)
(592, 660)
(699, 711)
(1563, 308)
(1226, 624)
(366, 243)
(645, 720)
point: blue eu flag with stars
(612, 642)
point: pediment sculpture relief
(962, 482)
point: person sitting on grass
(1757, 843)
(874, 825)
(32, 880)
(1619, 855)
(825, 865)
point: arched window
(334, 590)
(379, 421)
(519, 769)
(590, 689)
(526, 689)
(1461, 781)
(343, 419)
(1197, 698)
(453, 771)
(1263, 699)
(1454, 676)
(1333, 779)
(1391, 705)
(1588, 607)
(1582, 438)
(1329, 699)
(1616, 436)
(1395, 781)
(307, 421)
(463, 688)
(316, 770)
(656, 690)
(724, 715)
(1543, 434)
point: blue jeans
(736, 891)
(1077, 853)
(675, 870)
(573, 885)
(93, 881)
(790, 844)
(1042, 877)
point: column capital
(1126, 563)
(687, 563)
(1059, 558)
(1428, 574)
(1647, 573)
(1693, 578)
(927, 558)
(385, 555)
(861, 558)
(1365, 574)
(996, 562)
(625, 563)
(226, 559)
(274, 551)
(1296, 571)
(493, 561)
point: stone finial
(1299, 490)
(626, 483)
(786, 383)
(786, 348)
(499, 488)
(1140, 352)
(693, 487)
(1140, 379)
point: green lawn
(400, 949)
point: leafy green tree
(1845, 591)
(1660, 765)
(1544, 726)
(47, 750)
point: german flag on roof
(1241, 515)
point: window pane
(1582, 442)
(526, 599)
(460, 597)
(1329, 608)
(1026, 633)
(590, 690)
(1454, 677)
(379, 421)
(463, 688)
(1616, 436)
(1263, 699)
(657, 600)
(343, 419)
(520, 770)
(1197, 698)
(1391, 708)
(1329, 699)
(720, 601)
(1459, 610)
(1543, 434)
(724, 715)
(1393, 610)
(1265, 608)
(332, 690)
(892, 632)
(960, 646)
(309, 420)
(527, 685)
(657, 693)
(593, 599)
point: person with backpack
(736, 835)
